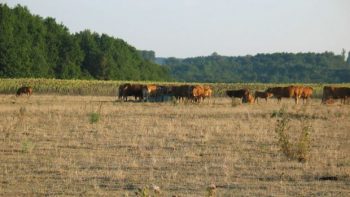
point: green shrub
(27, 146)
(94, 117)
(298, 150)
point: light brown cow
(149, 91)
(197, 93)
(307, 93)
(207, 92)
(249, 98)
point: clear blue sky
(187, 28)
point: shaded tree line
(32, 46)
(266, 68)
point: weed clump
(94, 117)
(27, 146)
(298, 150)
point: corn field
(110, 88)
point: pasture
(95, 146)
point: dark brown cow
(182, 92)
(135, 90)
(285, 92)
(242, 94)
(121, 89)
(24, 90)
(237, 93)
(330, 92)
(263, 95)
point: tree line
(266, 68)
(32, 46)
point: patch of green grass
(94, 117)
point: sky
(189, 28)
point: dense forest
(266, 68)
(32, 46)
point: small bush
(94, 117)
(301, 148)
(27, 146)
(281, 131)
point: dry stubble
(49, 147)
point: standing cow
(126, 90)
(306, 93)
(264, 95)
(24, 90)
(283, 92)
(330, 92)
(242, 94)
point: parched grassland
(53, 145)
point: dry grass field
(94, 146)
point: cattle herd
(198, 93)
(194, 93)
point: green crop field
(109, 88)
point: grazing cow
(207, 92)
(330, 92)
(121, 89)
(263, 95)
(286, 92)
(248, 98)
(182, 92)
(307, 93)
(24, 90)
(135, 90)
(149, 91)
(163, 93)
(197, 93)
(156, 93)
(242, 94)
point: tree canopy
(266, 68)
(32, 46)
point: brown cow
(197, 93)
(286, 92)
(182, 92)
(281, 92)
(24, 90)
(307, 93)
(149, 91)
(263, 95)
(135, 90)
(207, 92)
(242, 94)
(248, 98)
(330, 92)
